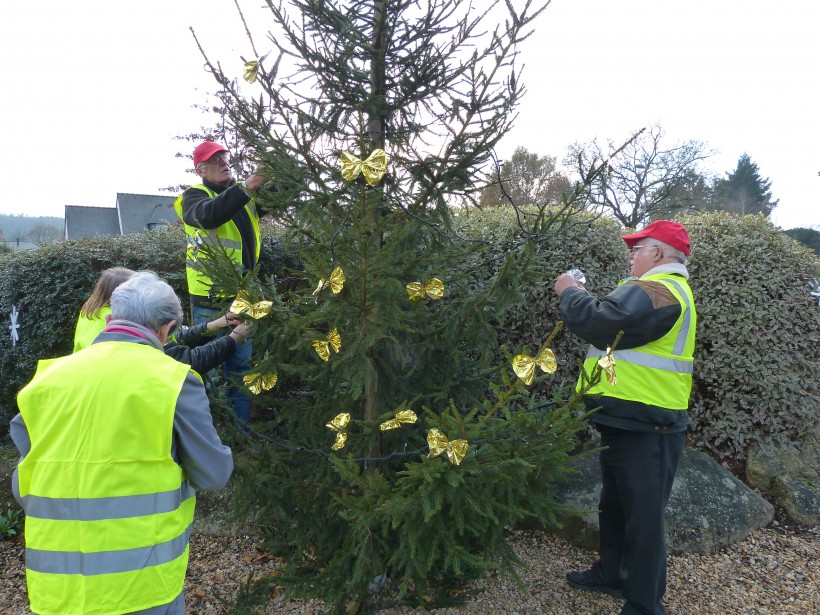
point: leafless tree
(41, 234)
(646, 180)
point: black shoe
(589, 581)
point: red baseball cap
(205, 150)
(668, 232)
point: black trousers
(637, 470)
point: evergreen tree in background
(743, 191)
(347, 487)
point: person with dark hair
(641, 412)
(220, 213)
(114, 442)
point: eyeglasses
(222, 158)
(648, 245)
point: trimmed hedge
(758, 336)
(758, 346)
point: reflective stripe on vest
(108, 512)
(225, 238)
(660, 372)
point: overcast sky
(95, 91)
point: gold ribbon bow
(373, 168)
(338, 424)
(250, 70)
(438, 443)
(243, 305)
(607, 363)
(524, 365)
(322, 347)
(434, 289)
(260, 382)
(336, 280)
(405, 416)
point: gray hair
(147, 300)
(668, 251)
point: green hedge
(758, 348)
(758, 336)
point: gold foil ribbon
(607, 363)
(243, 305)
(524, 365)
(336, 280)
(373, 167)
(260, 382)
(438, 443)
(416, 291)
(405, 416)
(322, 347)
(338, 424)
(250, 70)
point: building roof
(132, 213)
(138, 212)
(82, 221)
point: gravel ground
(775, 571)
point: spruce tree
(744, 192)
(400, 443)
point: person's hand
(241, 332)
(255, 181)
(232, 320)
(563, 282)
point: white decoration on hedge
(816, 292)
(14, 326)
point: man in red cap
(641, 413)
(220, 213)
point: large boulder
(708, 508)
(790, 475)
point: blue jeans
(234, 366)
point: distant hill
(17, 226)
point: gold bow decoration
(338, 424)
(524, 365)
(260, 382)
(322, 347)
(250, 70)
(243, 305)
(336, 281)
(404, 416)
(438, 443)
(607, 363)
(416, 291)
(373, 167)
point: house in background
(133, 213)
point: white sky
(94, 91)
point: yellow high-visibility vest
(108, 510)
(89, 328)
(225, 237)
(658, 373)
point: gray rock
(791, 476)
(708, 508)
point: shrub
(48, 286)
(758, 348)
(758, 337)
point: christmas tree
(402, 441)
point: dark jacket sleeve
(207, 462)
(202, 211)
(642, 310)
(206, 357)
(193, 336)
